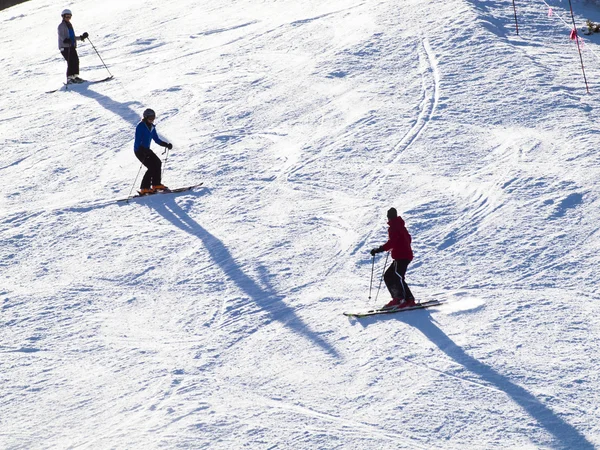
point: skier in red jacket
(399, 243)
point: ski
(168, 191)
(374, 312)
(66, 85)
(97, 81)
(55, 90)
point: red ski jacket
(399, 240)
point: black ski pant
(70, 55)
(149, 159)
(394, 279)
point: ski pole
(68, 63)
(382, 273)
(88, 38)
(134, 182)
(372, 270)
(165, 164)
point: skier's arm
(63, 34)
(383, 248)
(159, 141)
(377, 250)
(156, 139)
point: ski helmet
(149, 113)
(392, 213)
(65, 12)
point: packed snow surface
(213, 318)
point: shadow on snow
(124, 110)
(219, 253)
(566, 435)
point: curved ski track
(431, 94)
(430, 91)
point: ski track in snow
(346, 426)
(431, 95)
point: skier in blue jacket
(145, 132)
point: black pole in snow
(516, 23)
(68, 63)
(578, 47)
(165, 164)
(372, 270)
(94, 47)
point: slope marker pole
(516, 23)
(578, 47)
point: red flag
(573, 34)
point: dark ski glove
(169, 146)
(376, 250)
(84, 36)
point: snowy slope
(213, 318)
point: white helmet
(66, 11)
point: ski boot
(399, 303)
(160, 188)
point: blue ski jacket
(144, 134)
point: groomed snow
(213, 318)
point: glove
(376, 250)
(84, 36)
(169, 146)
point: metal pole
(88, 38)
(165, 164)
(578, 47)
(68, 65)
(516, 23)
(382, 273)
(134, 181)
(372, 270)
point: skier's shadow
(565, 434)
(263, 297)
(124, 110)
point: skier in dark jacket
(145, 132)
(67, 44)
(399, 243)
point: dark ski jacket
(399, 240)
(144, 134)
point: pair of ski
(166, 191)
(66, 85)
(374, 312)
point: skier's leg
(70, 55)
(393, 281)
(75, 62)
(66, 52)
(70, 65)
(146, 180)
(154, 168)
(401, 266)
(143, 155)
